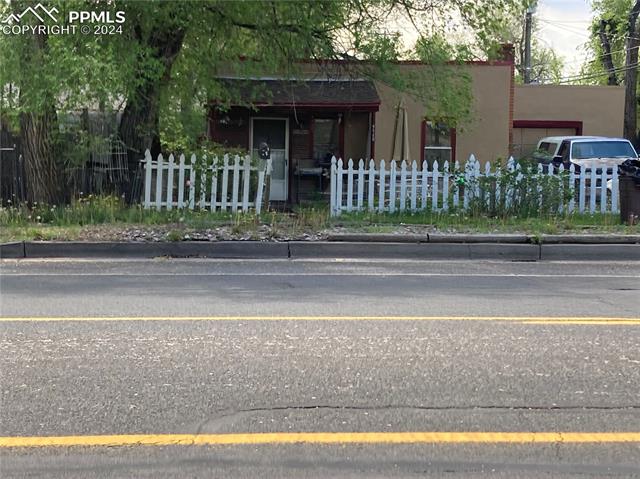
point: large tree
(44, 75)
(614, 42)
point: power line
(576, 78)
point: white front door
(275, 133)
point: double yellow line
(324, 438)
(560, 320)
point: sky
(564, 26)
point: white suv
(584, 151)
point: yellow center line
(518, 319)
(323, 438)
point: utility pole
(528, 27)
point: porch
(302, 125)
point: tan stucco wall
(486, 135)
(600, 108)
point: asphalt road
(245, 347)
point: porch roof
(350, 94)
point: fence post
(147, 179)
(332, 191)
(170, 182)
(159, 182)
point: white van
(584, 151)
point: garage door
(526, 139)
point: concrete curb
(466, 247)
(483, 238)
(12, 250)
(222, 249)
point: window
(326, 140)
(439, 142)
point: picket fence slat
(170, 182)
(350, 186)
(425, 186)
(381, 191)
(148, 170)
(372, 185)
(615, 194)
(415, 187)
(360, 184)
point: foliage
(522, 192)
(615, 13)
(546, 65)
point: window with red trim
(438, 142)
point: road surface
(203, 368)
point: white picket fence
(378, 188)
(223, 185)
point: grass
(106, 217)
(460, 222)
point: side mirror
(557, 160)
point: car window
(601, 149)
(564, 151)
(547, 147)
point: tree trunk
(139, 126)
(607, 59)
(631, 77)
(38, 149)
(38, 125)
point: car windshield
(601, 149)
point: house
(325, 113)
